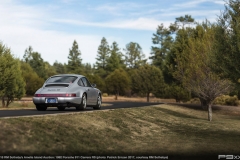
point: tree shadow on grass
(178, 114)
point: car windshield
(62, 79)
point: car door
(91, 92)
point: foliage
(11, 82)
(177, 92)
(60, 68)
(32, 80)
(95, 79)
(88, 69)
(105, 95)
(226, 100)
(118, 82)
(74, 61)
(147, 79)
(134, 56)
(35, 60)
(50, 70)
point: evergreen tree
(134, 56)
(88, 69)
(74, 61)
(115, 60)
(102, 57)
(147, 79)
(32, 80)
(60, 68)
(12, 84)
(35, 60)
(228, 41)
(118, 82)
(194, 68)
(162, 41)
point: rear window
(62, 79)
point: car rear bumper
(61, 101)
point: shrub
(195, 101)
(105, 95)
(226, 100)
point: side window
(80, 83)
(85, 82)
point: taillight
(70, 95)
(56, 95)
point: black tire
(99, 102)
(41, 107)
(83, 104)
(61, 108)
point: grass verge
(159, 130)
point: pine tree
(134, 57)
(35, 60)
(115, 60)
(74, 61)
(102, 58)
(12, 84)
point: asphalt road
(54, 110)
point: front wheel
(41, 107)
(83, 104)
(99, 103)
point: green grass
(159, 130)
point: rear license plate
(51, 100)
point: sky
(51, 26)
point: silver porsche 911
(67, 90)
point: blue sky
(51, 26)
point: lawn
(162, 130)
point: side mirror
(94, 85)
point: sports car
(67, 90)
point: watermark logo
(228, 156)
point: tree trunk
(3, 102)
(204, 104)
(210, 112)
(116, 95)
(148, 97)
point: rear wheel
(83, 104)
(61, 108)
(41, 107)
(99, 103)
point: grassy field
(163, 130)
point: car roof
(77, 75)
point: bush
(105, 95)
(227, 100)
(195, 101)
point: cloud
(52, 45)
(136, 24)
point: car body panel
(65, 94)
